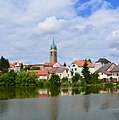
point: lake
(29, 103)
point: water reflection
(53, 109)
(91, 89)
(4, 106)
(34, 92)
(78, 107)
(55, 91)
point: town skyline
(81, 29)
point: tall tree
(86, 73)
(4, 64)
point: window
(73, 65)
(66, 70)
(117, 74)
(51, 53)
(75, 69)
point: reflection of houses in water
(63, 92)
(109, 90)
(66, 92)
(43, 93)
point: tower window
(51, 53)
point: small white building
(16, 66)
(77, 67)
(63, 72)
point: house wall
(66, 73)
(43, 77)
(102, 76)
(115, 75)
(98, 65)
(76, 69)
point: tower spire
(53, 46)
(53, 51)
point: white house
(62, 72)
(77, 67)
(16, 66)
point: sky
(82, 29)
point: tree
(76, 77)
(54, 80)
(24, 78)
(95, 79)
(86, 73)
(64, 79)
(4, 64)
(11, 77)
(89, 60)
(64, 64)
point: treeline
(21, 78)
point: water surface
(39, 104)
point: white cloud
(51, 25)
(27, 29)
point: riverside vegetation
(24, 78)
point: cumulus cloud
(27, 28)
(51, 25)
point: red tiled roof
(80, 63)
(48, 64)
(39, 72)
(53, 70)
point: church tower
(53, 52)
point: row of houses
(107, 70)
(48, 68)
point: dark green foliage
(4, 64)
(18, 92)
(108, 85)
(8, 79)
(94, 78)
(76, 91)
(86, 73)
(76, 84)
(55, 90)
(76, 77)
(65, 64)
(64, 79)
(21, 66)
(27, 68)
(65, 84)
(89, 60)
(54, 80)
(35, 68)
(92, 89)
(31, 68)
(40, 83)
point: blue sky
(81, 28)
